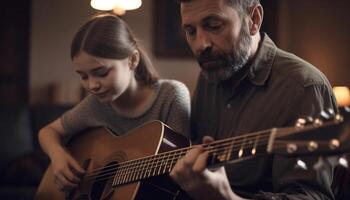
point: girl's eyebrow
(93, 70)
(97, 68)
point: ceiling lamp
(115, 5)
(102, 4)
(128, 4)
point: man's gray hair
(241, 5)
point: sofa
(22, 162)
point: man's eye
(82, 77)
(214, 25)
(190, 31)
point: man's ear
(134, 59)
(256, 18)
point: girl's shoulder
(171, 85)
(170, 90)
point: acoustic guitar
(136, 165)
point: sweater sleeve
(79, 117)
(178, 115)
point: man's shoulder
(297, 70)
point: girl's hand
(66, 170)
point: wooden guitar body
(99, 148)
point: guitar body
(99, 148)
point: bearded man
(247, 84)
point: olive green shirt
(273, 91)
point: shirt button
(228, 106)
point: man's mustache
(210, 57)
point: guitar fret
(119, 176)
(127, 174)
(153, 166)
(115, 177)
(166, 164)
(172, 156)
(134, 171)
(145, 165)
(124, 175)
(139, 168)
(159, 166)
(150, 169)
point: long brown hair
(108, 36)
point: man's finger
(201, 163)
(192, 156)
(207, 139)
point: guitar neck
(220, 152)
(239, 148)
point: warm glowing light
(342, 94)
(128, 4)
(342, 161)
(119, 5)
(102, 4)
(118, 11)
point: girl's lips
(101, 94)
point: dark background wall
(35, 39)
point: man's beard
(218, 67)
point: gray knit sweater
(171, 105)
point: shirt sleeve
(178, 116)
(78, 118)
(314, 183)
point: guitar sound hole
(102, 186)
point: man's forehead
(194, 9)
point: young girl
(124, 92)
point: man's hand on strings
(193, 176)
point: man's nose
(202, 42)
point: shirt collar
(260, 68)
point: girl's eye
(102, 72)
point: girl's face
(105, 78)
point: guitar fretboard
(220, 152)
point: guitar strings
(237, 139)
(210, 148)
(125, 175)
(125, 170)
(160, 160)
